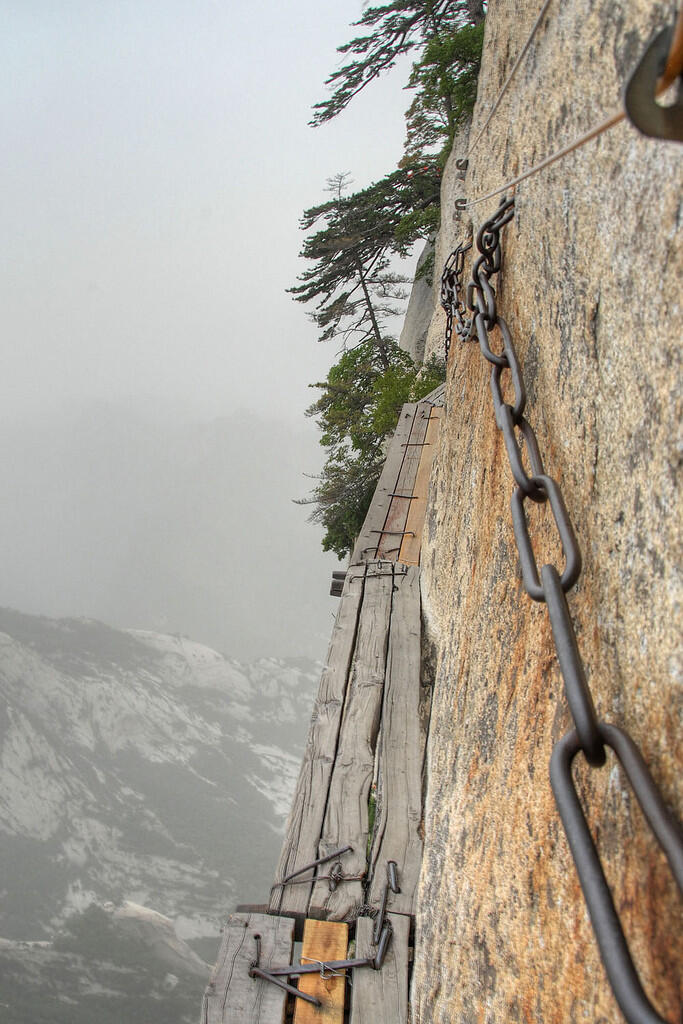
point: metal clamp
(255, 971)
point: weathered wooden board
(381, 997)
(400, 754)
(437, 396)
(369, 537)
(231, 994)
(412, 542)
(310, 799)
(397, 514)
(323, 940)
(346, 818)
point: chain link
(451, 286)
(550, 586)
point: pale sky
(156, 159)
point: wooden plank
(306, 817)
(381, 997)
(231, 994)
(346, 818)
(400, 755)
(412, 542)
(397, 514)
(437, 396)
(366, 545)
(323, 940)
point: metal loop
(482, 334)
(336, 876)
(640, 93)
(485, 295)
(570, 546)
(488, 237)
(571, 666)
(383, 945)
(515, 371)
(614, 951)
(506, 423)
(392, 876)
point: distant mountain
(106, 964)
(136, 767)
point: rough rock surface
(419, 312)
(590, 286)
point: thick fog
(156, 159)
(150, 519)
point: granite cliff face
(590, 286)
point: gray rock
(419, 312)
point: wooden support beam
(368, 538)
(381, 997)
(306, 817)
(346, 817)
(231, 994)
(323, 940)
(412, 542)
(397, 513)
(400, 754)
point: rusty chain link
(550, 585)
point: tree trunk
(373, 319)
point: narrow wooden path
(347, 876)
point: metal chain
(451, 287)
(550, 585)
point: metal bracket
(640, 102)
(255, 971)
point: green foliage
(406, 382)
(353, 237)
(393, 29)
(445, 82)
(357, 410)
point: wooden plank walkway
(305, 823)
(400, 755)
(412, 542)
(381, 997)
(323, 941)
(397, 514)
(369, 727)
(232, 996)
(369, 536)
(346, 819)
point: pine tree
(395, 28)
(351, 278)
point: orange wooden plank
(323, 940)
(410, 548)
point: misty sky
(156, 159)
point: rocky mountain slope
(134, 767)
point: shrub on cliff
(356, 412)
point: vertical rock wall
(591, 288)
